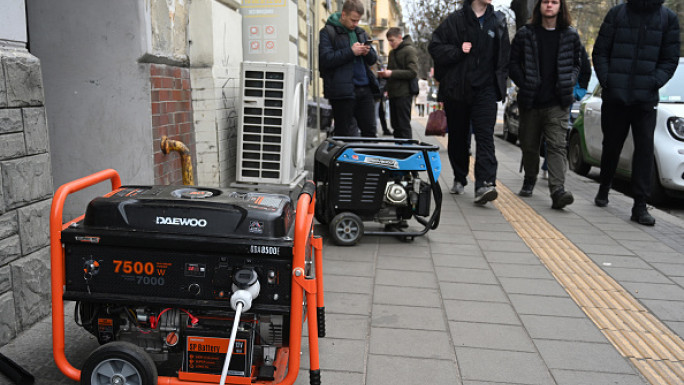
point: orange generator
(187, 285)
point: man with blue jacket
(345, 56)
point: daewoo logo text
(175, 221)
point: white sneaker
(457, 188)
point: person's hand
(385, 74)
(360, 49)
(467, 46)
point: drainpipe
(168, 145)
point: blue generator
(385, 181)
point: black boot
(561, 198)
(527, 187)
(641, 216)
(601, 199)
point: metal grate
(262, 133)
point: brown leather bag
(436, 123)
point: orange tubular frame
(303, 286)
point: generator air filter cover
(180, 245)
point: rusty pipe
(168, 145)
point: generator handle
(57, 262)
(309, 189)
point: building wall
(25, 180)
(215, 55)
(97, 89)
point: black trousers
(381, 114)
(361, 109)
(480, 111)
(400, 116)
(616, 120)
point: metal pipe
(168, 145)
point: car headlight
(675, 125)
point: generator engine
(158, 267)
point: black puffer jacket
(635, 56)
(336, 61)
(524, 65)
(452, 65)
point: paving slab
(502, 366)
(562, 328)
(384, 370)
(448, 260)
(577, 377)
(594, 357)
(542, 305)
(407, 317)
(407, 296)
(491, 336)
(473, 311)
(411, 343)
(459, 274)
(420, 279)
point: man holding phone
(402, 67)
(345, 56)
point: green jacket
(403, 61)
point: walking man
(402, 68)
(636, 53)
(545, 64)
(344, 56)
(471, 52)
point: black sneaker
(485, 194)
(642, 217)
(527, 187)
(561, 198)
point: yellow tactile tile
(651, 346)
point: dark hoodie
(403, 61)
(635, 52)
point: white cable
(231, 344)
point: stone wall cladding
(172, 116)
(25, 192)
(215, 101)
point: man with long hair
(470, 49)
(635, 54)
(545, 63)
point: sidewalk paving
(468, 303)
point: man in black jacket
(470, 50)
(636, 53)
(545, 64)
(344, 57)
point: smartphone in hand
(368, 42)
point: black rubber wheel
(575, 157)
(119, 363)
(319, 210)
(507, 136)
(346, 229)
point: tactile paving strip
(651, 346)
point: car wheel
(119, 363)
(346, 229)
(658, 194)
(507, 136)
(575, 156)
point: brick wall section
(172, 116)
(25, 195)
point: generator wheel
(346, 229)
(119, 363)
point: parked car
(668, 179)
(511, 123)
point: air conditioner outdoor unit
(272, 123)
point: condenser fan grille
(262, 133)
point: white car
(586, 139)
